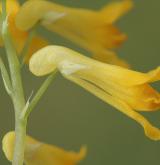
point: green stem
(18, 94)
(6, 78)
(39, 95)
(20, 130)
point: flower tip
(82, 152)
(8, 145)
(129, 4)
(77, 157)
(117, 9)
(153, 133)
(40, 62)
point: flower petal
(12, 9)
(115, 10)
(140, 97)
(124, 89)
(110, 57)
(150, 131)
(36, 44)
(41, 153)
(94, 30)
(123, 76)
(95, 34)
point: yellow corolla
(19, 36)
(38, 153)
(92, 30)
(126, 90)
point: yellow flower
(126, 90)
(19, 36)
(92, 30)
(38, 153)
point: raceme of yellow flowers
(105, 76)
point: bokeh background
(69, 117)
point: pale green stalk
(38, 95)
(18, 94)
(6, 78)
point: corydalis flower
(126, 90)
(19, 36)
(38, 153)
(92, 30)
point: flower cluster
(104, 74)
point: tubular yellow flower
(38, 153)
(92, 30)
(126, 90)
(19, 36)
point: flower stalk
(6, 78)
(38, 95)
(17, 92)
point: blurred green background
(69, 117)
